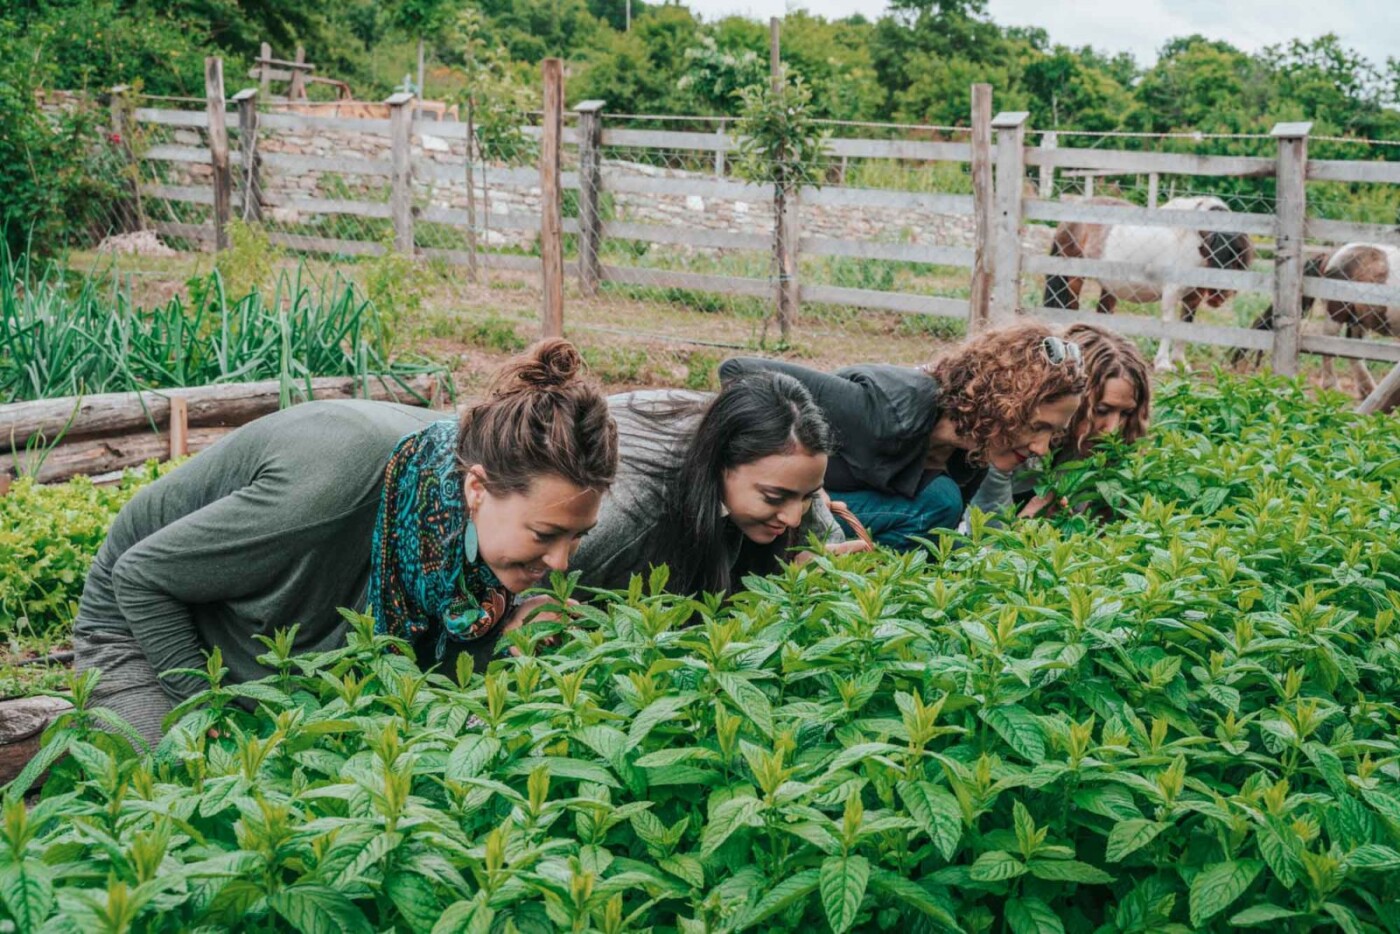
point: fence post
(298, 85)
(179, 427)
(590, 181)
(551, 200)
(1006, 265)
(979, 309)
(785, 217)
(247, 101)
(1289, 215)
(218, 148)
(401, 177)
(722, 132)
(120, 104)
(265, 69)
(1154, 182)
(1049, 140)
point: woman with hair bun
(434, 526)
(915, 442)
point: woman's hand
(529, 612)
(840, 548)
(1046, 505)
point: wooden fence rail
(1012, 183)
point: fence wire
(686, 266)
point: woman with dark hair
(1117, 400)
(915, 442)
(274, 524)
(713, 487)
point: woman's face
(1116, 405)
(768, 497)
(524, 536)
(1034, 439)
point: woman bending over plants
(1117, 400)
(435, 526)
(915, 442)
(715, 487)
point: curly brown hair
(1110, 356)
(992, 384)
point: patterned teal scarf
(425, 572)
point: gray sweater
(617, 547)
(269, 527)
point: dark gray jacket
(883, 416)
(269, 527)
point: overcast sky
(1140, 26)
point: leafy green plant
(494, 333)
(62, 340)
(250, 263)
(1181, 720)
(48, 538)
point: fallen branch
(35, 424)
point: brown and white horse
(1155, 250)
(1372, 263)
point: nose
(1110, 423)
(791, 515)
(557, 558)
(1040, 444)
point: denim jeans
(893, 520)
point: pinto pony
(1156, 250)
(1372, 263)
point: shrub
(48, 538)
(1180, 721)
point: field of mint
(1183, 719)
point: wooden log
(22, 722)
(102, 455)
(218, 149)
(1385, 397)
(979, 303)
(49, 420)
(551, 200)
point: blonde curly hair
(992, 384)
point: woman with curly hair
(1117, 400)
(915, 442)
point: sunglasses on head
(1058, 350)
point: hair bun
(549, 364)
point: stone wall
(497, 201)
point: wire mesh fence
(665, 240)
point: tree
(1068, 90)
(418, 18)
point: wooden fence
(1001, 205)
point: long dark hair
(751, 418)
